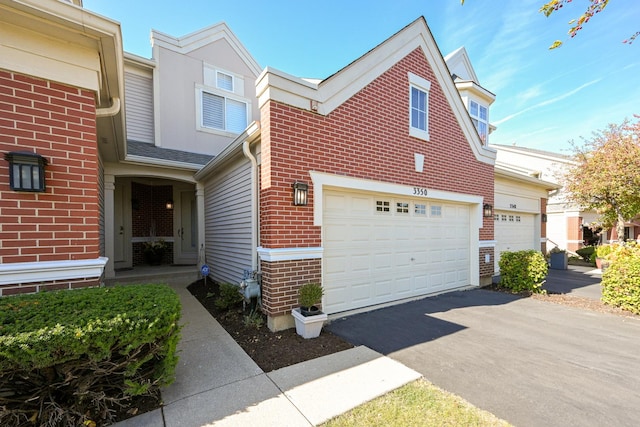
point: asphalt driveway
(532, 363)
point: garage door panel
(374, 257)
(514, 231)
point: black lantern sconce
(300, 194)
(544, 217)
(487, 210)
(169, 204)
(26, 171)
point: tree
(606, 174)
(594, 7)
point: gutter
(109, 111)
(246, 149)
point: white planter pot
(308, 326)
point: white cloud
(548, 101)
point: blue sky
(544, 98)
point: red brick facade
(365, 137)
(59, 123)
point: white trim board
(31, 272)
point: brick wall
(543, 226)
(57, 122)
(366, 137)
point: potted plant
(154, 251)
(602, 254)
(309, 319)
(559, 259)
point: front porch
(155, 274)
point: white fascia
(289, 254)
(32, 272)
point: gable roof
(203, 37)
(330, 93)
(460, 65)
(549, 155)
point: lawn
(419, 403)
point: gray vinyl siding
(228, 222)
(139, 107)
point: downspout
(109, 111)
(254, 204)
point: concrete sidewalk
(217, 383)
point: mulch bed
(270, 350)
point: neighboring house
(568, 225)
(387, 158)
(520, 196)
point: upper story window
(221, 105)
(419, 107)
(479, 117)
(223, 113)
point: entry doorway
(187, 229)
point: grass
(419, 403)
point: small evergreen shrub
(69, 357)
(230, 296)
(621, 280)
(586, 252)
(310, 294)
(523, 271)
(603, 251)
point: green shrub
(230, 296)
(621, 279)
(522, 271)
(69, 356)
(310, 294)
(586, 252)
(603, 251)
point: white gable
(460, 65)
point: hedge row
(523, 271)
(68, 357)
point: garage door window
(420, 209)
(382, 206)
(402, 207)
(436, 211)
(517, 218)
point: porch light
(544, 217)
(26, 171)
(169, 204)
(487, 210)
(300, 193)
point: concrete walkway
(217, 383)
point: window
(382, 206)
(420, 209)
(436, 211)
(223, 113)
(402, 207)
(419, 107)
(479, 117)
(518, 218)
(224, 81)
(503, 217)
(496, 217)
(510, 218)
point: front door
(121, 247)
(187, 245)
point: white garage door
(513, 232)
(380, 248)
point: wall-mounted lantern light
(26, 171)
(169, 204)
(487, 210)
(544, 217)
(300, 193)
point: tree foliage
(593, 8)
(606, 174)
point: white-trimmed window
(402, 207)
(383, 206)
(420, 209)
(480, 118)
(419, 107)
(221, 105)
(436, 211)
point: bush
(310, 294)
(621, 279)
(229, 296)
(522, 270)
(67, 357)
(586, 252)
(603, 251)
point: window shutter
(224, 81)
(212, 111)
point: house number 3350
(419, 191)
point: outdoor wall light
(544, 217)
(26, 171)
(487, 210)
(300, 193)
(169, 204)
